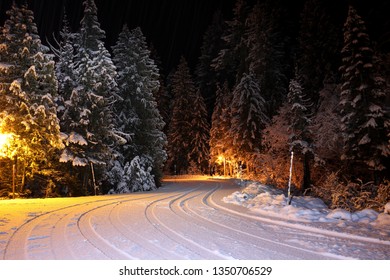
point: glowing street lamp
(5, 141)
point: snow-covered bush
(383, 194)
(352, 196)
(326, 186)
(140, 169)
(326, 124)
(358, 196)
(273, 165)
(134, 176)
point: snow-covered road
(185, 219)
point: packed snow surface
(190, 218)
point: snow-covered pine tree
(327, 138)
(126, 118)
(28, 87)
(228, 151)
(162, 96)
(318, 47)
(65, 65)
(299, 119)
(138, 80)
(230, 64)
(134, 176)
(218, 131)
(163, 99)
(180, 129)
(267, 57)
(221, 147)
(87, 122)
(365, 121)
(249, 118)
(200, 149)
(206, 76)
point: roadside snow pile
(272, 202)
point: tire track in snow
(88, 227)
(258, 235)
(97, 227)
(156, 244)
(260, 247)
(64, 232)
(101, 245)
(18, 246)
(21, 243)
(167, 224)
(208, 241)
(24, 244)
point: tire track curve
(261, 247)
(44, 236)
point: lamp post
(290, 177)
(13, 178)
(224, 166)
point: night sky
(176, 27)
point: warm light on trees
(28, 112)
(5, 143)
(7, 140)
(6, 151)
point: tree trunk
(23, 177)
(306, 173)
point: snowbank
(272, 202)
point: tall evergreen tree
(299, 120)
(318, 47)
(162, 96)
(365, 122)
(28, 88)
(231, 63)
(87, 121)
(249, 118)
(200, 149)
(267, 57)
(218, 131)
(206, 76)
(65, 63)
(221, 142)
(138, 114)
(180, 131)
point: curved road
(182, 220)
